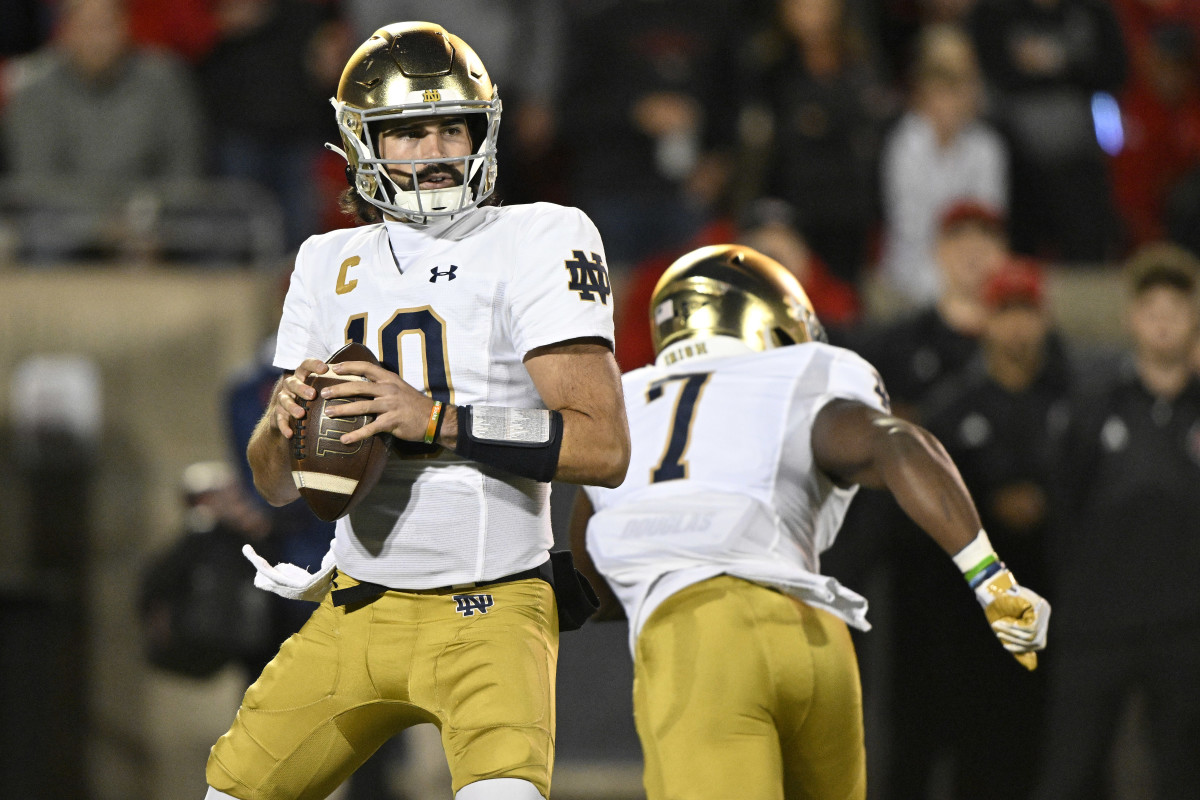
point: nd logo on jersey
(589, 278)
(468, 604)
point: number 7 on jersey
(672, 465)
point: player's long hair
(354, 206)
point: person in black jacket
(197, 602)
(930, 344)
(1128, 614)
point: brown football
(333, 477)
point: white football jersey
(453, 307)
(721, 478)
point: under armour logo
(468, 604)
(589, 278)
(436, 273)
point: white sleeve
(901, 173)
(993, 174)
(851, 377)
(297, 339)
(560, 286)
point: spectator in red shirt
(188, 27)
(1161, 115)
(1139, 18)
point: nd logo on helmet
(431, 95)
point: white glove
(290, 581)
(1019, 616)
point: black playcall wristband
(523, 441)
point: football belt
(366, 592)
(573, 593)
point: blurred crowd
(664, 120)
(939, 154)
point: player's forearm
(916, 469)
(270, 461)
(587, 435)
(595, 450)
(583, 383)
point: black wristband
(527, 459)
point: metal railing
(218, 222)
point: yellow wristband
(434, 415)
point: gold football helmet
(408, 70)
(731, 290)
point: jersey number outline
(424, 322)
(672, 466)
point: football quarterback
(439, 601)
(750, 438)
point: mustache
(406, 180)
(429, 170)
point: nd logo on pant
(468, 604)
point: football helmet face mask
(408, 71)
(732, 290)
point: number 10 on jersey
(431, 328)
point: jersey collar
(697, 348)
(408, 238)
